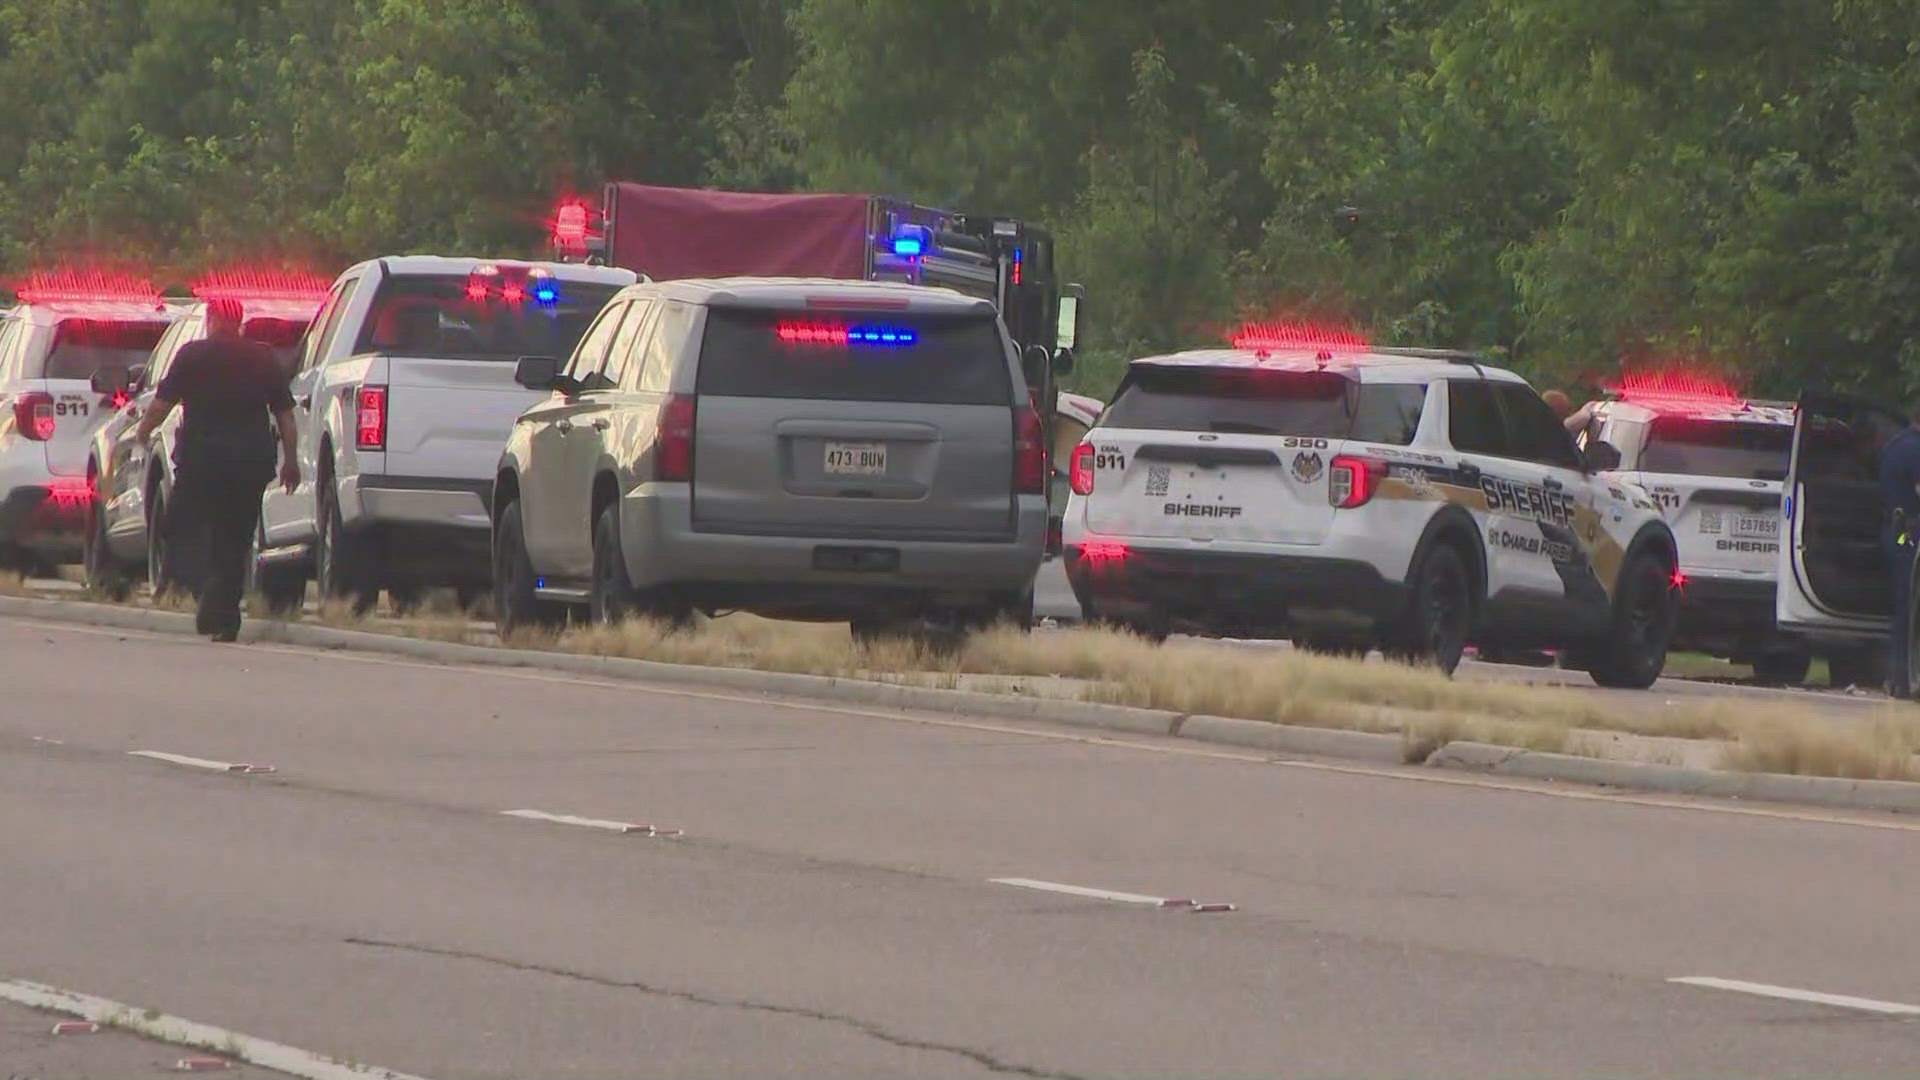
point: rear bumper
(662, 548)
(1233, 591)
(370, 500)
(44, 518)
(1718, 614)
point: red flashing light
(1677, 580)
(1678, 390)
(570, 229)
(476, 290)
(1029, 453)
(69, 286)
(512, 292)
(1102, 551)
(1263, 337)
(370, 424)
(673, 451)
(1352, 481)
(67, 494)
(33, 415)
(1080, 469)
(811, 333)
(249, 284)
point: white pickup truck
(405, 396)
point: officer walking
(223, 457)
(1900, 495)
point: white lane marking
(172, 1029)
(593, 823)
(1109, 894)
(200, 763)
(1544, 789)
(1811, 997)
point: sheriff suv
(404, 393)
(1352, 498)
(1714, 463)
(62, 349)
(803, 449)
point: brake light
(1080, 472)
(673, 456)
(370, 427)
(1029, 453)
(33, 415)
(1351, 481)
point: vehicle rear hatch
(79, 348)
(1718, 482)
(1835, 510)
(450, 349)
(883, 424)
(1211, 452)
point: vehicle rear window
(1727, 448)
(950, 361)
(433, 315)
(83, 347)
(1322, 404)
(280, 335)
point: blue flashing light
(912, 241)
(896, 336)
(907, 246)
(546, 294)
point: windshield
(933, 360)
(434, 316)
(1325, 404)
(1732, 449)
(84, 347)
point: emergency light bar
(1678, 390)
(912, 241)
(261, 285)
(1265, 337)
(67, 286)
(841, 334)
(513, 284)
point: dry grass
(1882, 750)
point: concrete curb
(1894, 795)
(1228, 731)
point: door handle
(1552, 483)
(306, 402)
(564, 426)
(600, 425)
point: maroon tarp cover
(670, 233)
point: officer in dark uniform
(1900, 495)
(223, 457)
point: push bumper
(1223, 591)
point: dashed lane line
(200, 763)
(1810, 997)
(593, 823)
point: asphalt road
(831, 911)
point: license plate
(1756, 527)
(856, 459)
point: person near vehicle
(223, 458)
(1574, 420)
(1900, 494)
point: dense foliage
(1571, 183)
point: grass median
(1278, 686)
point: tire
(610, 596)
(406, 599)
(338, 565)
(515, 606)
(1783, 665)
(1014, 614)
(105, 577)
(163, 568)
(1433, 630)
(282, 589)
(1863, 668)
(1645, 611)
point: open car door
(1833, 575)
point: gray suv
(802, 449)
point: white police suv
(1308, 486)
(1713, 463)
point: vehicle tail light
(1029, 453)
(33, 415)
(68, 494)
(371, 426)
(1351, 481)
(673, 457)
(1080, 473)
(1103, 551)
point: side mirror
(1034, 363)
(1063, 362)
(1600, 456)
(540, 373)
(1067, 330)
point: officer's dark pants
(219, 504)
(1900, 585)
